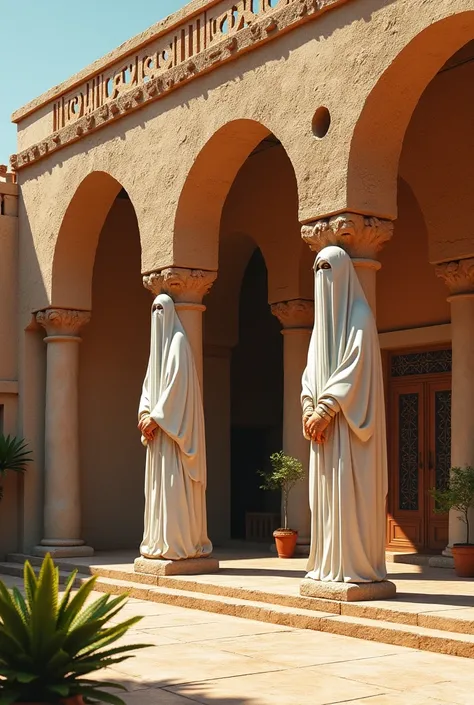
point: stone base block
(63, 551)
(441, 562)
(189, 566)
(348, 592)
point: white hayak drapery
(175, 477)
(348, 472)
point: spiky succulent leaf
(47, 645)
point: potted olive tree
(285, 472)
(14, 455)
(48, 644)
(459, 495)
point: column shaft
(296, 318)
(295, 353)
(62, 504)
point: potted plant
(14, 455)
(459, 495)
(284, 474)
(48, 644)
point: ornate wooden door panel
(419, 432)
(439, 458)
(406, 423)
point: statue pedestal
(348, 592)
(188, 566)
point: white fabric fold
(175, 475)
(348, 472)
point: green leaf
(11, 618)
(93, 632)
(30, 583)
(102, 696)
(66, 596)
(44, 614)
(77, 602)
(21, 606)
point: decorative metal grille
(408, 451)
(421, 363)
(442, 438)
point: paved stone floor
(197, 657)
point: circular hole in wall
(321, 122)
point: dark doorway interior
(257, 407)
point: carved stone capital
(458, 276)
(183, 285)
(298, 313)
(62, 321)
(359, 235)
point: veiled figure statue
(171, 421)
(344, 416)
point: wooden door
(419, 458)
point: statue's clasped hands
(147, 427)
(314, 426)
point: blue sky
(43, 42)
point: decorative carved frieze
(170, 59)
(183, 285)
(62, 321)
(359, 235)
(458, 276)
(297, 313)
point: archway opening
(113, 358)
(256, 407)
(434, 201)
(262, 260)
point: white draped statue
(344, 416)
(171, 420)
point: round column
(62, 503)
(459, 277)
(296, 318)
(187, 288)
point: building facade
(210, 157)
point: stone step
(372, 629)
(391, 611)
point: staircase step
(360, 627)
(390, 612)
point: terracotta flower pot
(463, 555)
(285, 540)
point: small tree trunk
(285, 508)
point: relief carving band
(191, 38)
(183, 285)
(359, 235)
(458, 276)
(62, 321)
(297, 313)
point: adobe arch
(198, 215)
(77, 241)
(378, 135)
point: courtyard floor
(216, 659)
(213, 658)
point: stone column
(62, 502)
(459, 277)
(362, 237)
(187, 288)
(296, 317)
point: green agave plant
(14, 455)
(48, 644)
